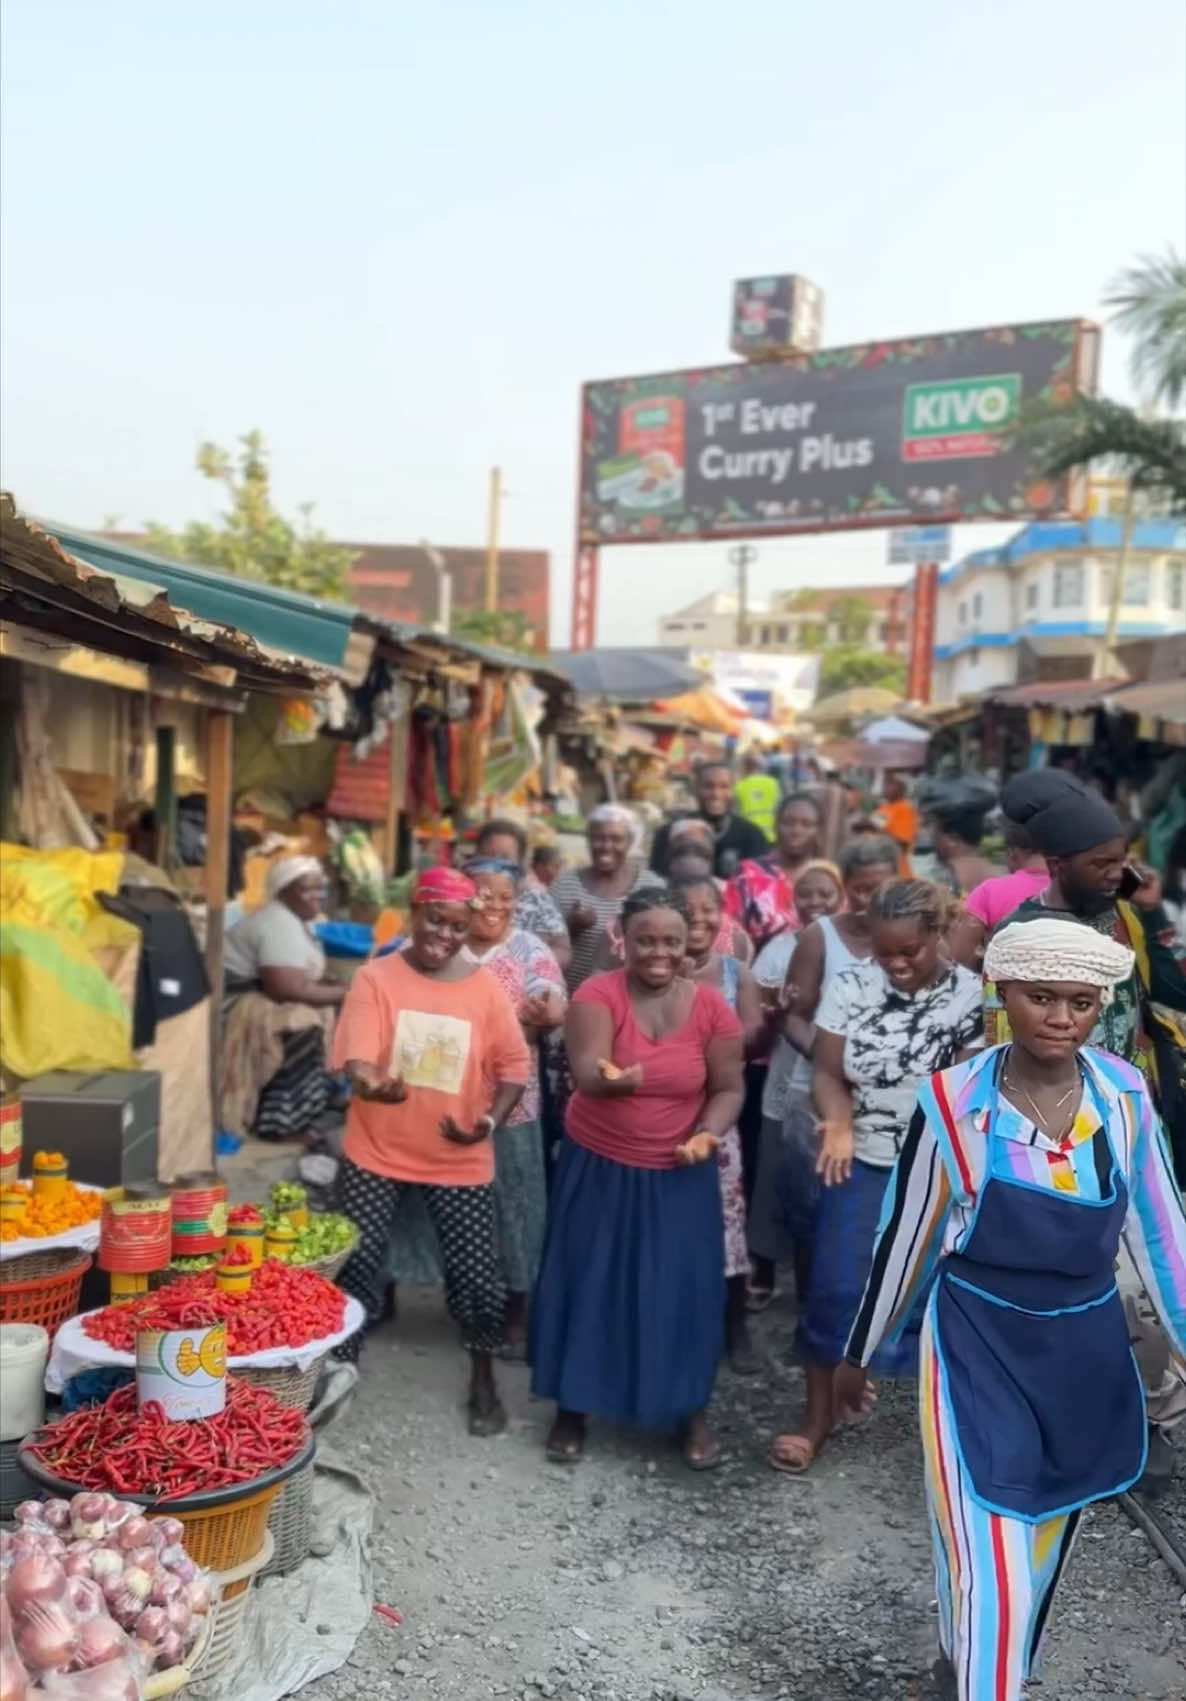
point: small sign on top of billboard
(910, 544)
(776, 315)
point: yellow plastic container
(234, 1278)
(51, 1175)
(127, 1284)
(252, 1238)
(279, 1242)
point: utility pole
(742, 556)
(493, 506)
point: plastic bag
(14, 1679)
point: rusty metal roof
(1162, 699)
(1075, 696)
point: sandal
(702, 1457)
(806, 1453)
(569, 1447)
(760, 1299)
(487, 1414)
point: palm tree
(1150, 453)
(1149, 299)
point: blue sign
(909, 545)
(759, 703)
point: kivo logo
(959, 417)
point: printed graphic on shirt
(431, 1050)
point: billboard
(772, 315)
(880, 434)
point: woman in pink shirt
(993, 901)
(627, 1317)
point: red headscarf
(441, 885)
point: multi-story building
(1038, 607)
(876, 616)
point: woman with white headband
(1021, 1171)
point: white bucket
(184, 1370)
(24, 1348)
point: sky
(397, 238)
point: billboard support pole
(492, 517)
(584, 595)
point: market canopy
(893, 729)
(703, 708)
(625, 675)
(850, 705)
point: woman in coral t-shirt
(437, 1061)
(627, 1319)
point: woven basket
(329, 1266)
(290, 1524)
(231, 1593)
(292, 1387)
(47, 1295)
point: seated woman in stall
(279, 1010)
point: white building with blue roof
(1037, 607)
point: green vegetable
(285, 1194)
(204, 1261)
(327, 1232)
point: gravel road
(631, 1579)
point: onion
(135, 1531)
(171, 1651)
(113, 1681)
(99, 1640)
(144, 1557)
(85, 1597)
(77, 1562)
(88, 1515)
(171, 1530)
(180, 1616)
(56, 1513)
(35, 1580)
(138, 1582)
(14, 1680)
(31, 1512)
(125, 1607)
(46, 1636)
(152, 1625)
(106, 1564)
(198, 1595)
(165, 1586)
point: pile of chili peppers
(285, 1307)
(124, 1449)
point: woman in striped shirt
(1021, 1170)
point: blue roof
(1040, 537)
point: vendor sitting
(278, 1015)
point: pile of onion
(94, 1594)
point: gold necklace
(1040, 1117)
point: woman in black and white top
(882, 1028)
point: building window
(698, 625)
(963, 614)
(764, 635)
(1068, 585)
(780, 634)
(1137, 585)
(1175, 585)
(1031, 595)
(974, 656)
(977, 605)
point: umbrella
(703, 708)
(850, 705)
(893, 729)
(625, 675)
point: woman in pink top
(626, 1321)
(993, 901)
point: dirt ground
(631, 1579)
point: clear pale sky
(396, 238)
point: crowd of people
(631, 1098)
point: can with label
(10, 1139)
(199, 1215)
(51, 1175)
(234, 1278)
(183, 1370)
(280, 1240)
(135, 1228)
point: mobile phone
(1130, 881)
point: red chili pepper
(287, 1306)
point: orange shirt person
(897, 818)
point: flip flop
(569, 1452)
(786, 1466)
(759, 1299)
(486, 1418)
(705, 1461)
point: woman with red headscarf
(437, 1061)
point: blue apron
(1048, 1406)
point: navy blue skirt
(846, 1219)
(627, 1319)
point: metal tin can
(250, 1235)
(128, 1284)
(135, 1228)
(184, 1370)
(234, 1278)
(13, 1203)
(51, 1175)
(10, 1139)
(199, 1215)
(279, 1242)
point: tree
(503, 628)
(852, 618)
(1150, 453)
(847, 665)
(1149, 299)
(252, 540)
(813, 635)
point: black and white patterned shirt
(894, 1041)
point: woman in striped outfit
(1020, 1172)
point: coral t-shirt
(451, 1040)
(643, 1128)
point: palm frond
(1149, 302)
(1151, 453)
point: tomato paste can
(128, 1284)
(199, 1215)
(183, 1370)
(10, 1139)
(135, 1228)
(51, 1175)
(234, 1278)
(250, 1235)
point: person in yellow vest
(757, 795)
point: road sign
(910, 544)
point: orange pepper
(43, 1217)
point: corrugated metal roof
(122, 615)
(625, 675)
(1163, 699)
(1076, 696)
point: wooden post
(492, 518)
(397, 790)
(218, 851)
(165, 800)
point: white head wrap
(290, 868)
(618, 815)
(1054, 950)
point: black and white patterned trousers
(464, 1220)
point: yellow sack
(58, 1010)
